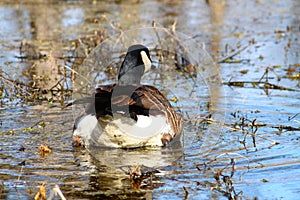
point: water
(252, 140)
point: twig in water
(20, 175)
(234, 54)
(75, 72)
(41, 193)
(186, 193)
(239, 155)
(14, 84)
(56, 191)
(85, 50)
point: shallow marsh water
(249, 149)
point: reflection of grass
(224, 173)
(15, 90)
(229, 59)
(36, 128)
(46, 80)
(249, 128)
(262, 83)
(224, 168)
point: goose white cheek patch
(146, 61)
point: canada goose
(128, 114)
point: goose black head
(136, 62)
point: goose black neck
(132, 68)
(131, 76)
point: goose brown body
(125, 104)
